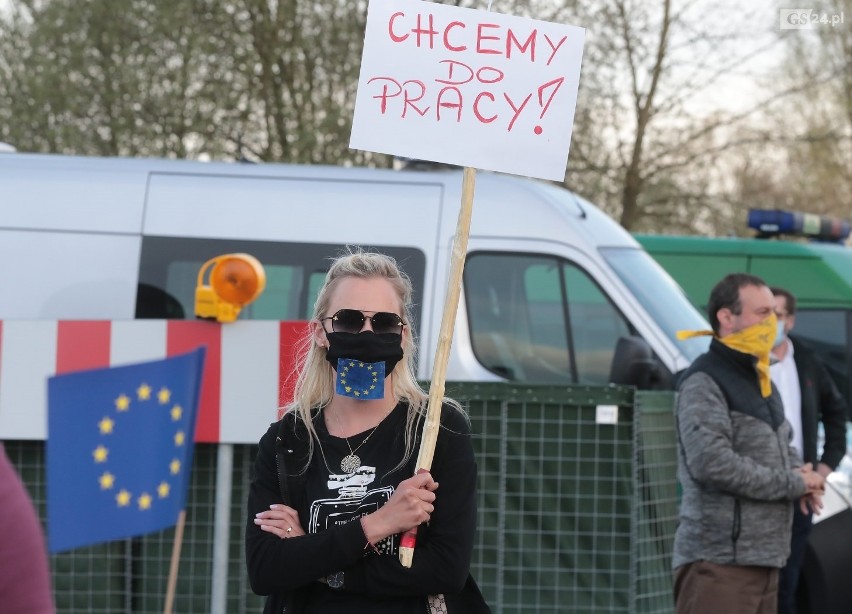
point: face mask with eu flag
(757, 340)
(362, 362)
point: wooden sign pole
(442, 352)
(173, 568)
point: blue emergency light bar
(774, 222)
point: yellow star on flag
(174, 466)
(145, 501)
(105, 426)
(123, 498)
(107, 480)
(179, 438)
(143, 392)
(163, 490)
(100, 454)
(122, 403)
(177, 412)
(164, 396)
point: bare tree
(656, 141)
(818, 143)
(650, 126)
(256, 79)
(112, 77)
(306, 57)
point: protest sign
(467, 87)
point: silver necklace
(351, 462)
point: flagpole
(442, 352)
(173, 568)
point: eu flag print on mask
(360, 380)
(119, 449)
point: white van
(551, 284)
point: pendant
(350, 463)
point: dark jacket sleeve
(443, 552)
(276, 565)
(832, 410)
(821, 402)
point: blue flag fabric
(119, 449)
(359, 379)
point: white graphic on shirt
(354, 500)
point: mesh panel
(132, 575)
(656, 501)
(555, 488)
(574, 516)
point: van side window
(540, 319)
(169, 266)
(595, 324)
(829, 332)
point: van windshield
(660, 295)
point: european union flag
(119, 449)
(359, 379)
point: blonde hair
(314, 386)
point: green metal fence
(577, 507)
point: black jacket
(284, 569)
(821, 402)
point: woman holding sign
(334, 483)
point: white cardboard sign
(467, 87)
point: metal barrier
(577, 508)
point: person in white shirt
(809, 396)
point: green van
(818, 274)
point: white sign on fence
(467, 87)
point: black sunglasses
(352, 321)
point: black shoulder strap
(281, 462)
(292, 449)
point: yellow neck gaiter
(756, 340)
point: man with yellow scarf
(738, 473)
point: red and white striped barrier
(248, 373)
